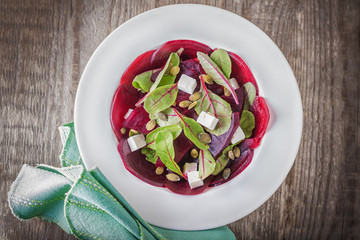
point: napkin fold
(84, 203)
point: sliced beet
(192, 68)
(241, 71)
(236, 167)
(190, 49)
(218, 143)
(230, 99)
(217, 89)
(182, 96)
(182, 187)
(137, 120)
(135, 163)
(262, 116)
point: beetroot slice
(218, 143)
(230, 99)
(135, 163)
(241, 71)
(262, 116)
(126, 95)
(182, 187)
(190, 49)
(137, 120)
(181, 146)
(236, 167)
(192, 68)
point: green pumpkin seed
(172, 177)
(184, 104)
(193, 104)
(205, 138)
(226, 173)
(195, 96)
(194, 153)
(237, 152)
(123, 130)
(159, 170)
(150, 125)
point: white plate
(218, 29)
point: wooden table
(45, 45)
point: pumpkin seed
(167, 71)
(193, 104)
(123, 130)
(159, 170)
(150, 125)
(174, 70)
(133, 132)
(194, 153)
(205, 138)
(207, 79)
(237, 152)
(172, 177)
(195, 96)
(226, 92)
(226, 173)
(162, 116)
(184, 104)
(231, 155)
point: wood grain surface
(45, 45)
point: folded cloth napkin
(84, 203)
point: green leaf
(222, 160)
(143, 81)
(175, 131)
(161, 98)
(165, 150)
(250, 94)
(172, 118)
(222, 59)
(215, 73)
(247, 123)
(210, 102)
(206, 164)
(192, 129)
(150, 154)
(164, 77)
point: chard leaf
(206, 164)
(143, 81)
(222, 160)
(150, 154)
(161, 98)
(250, 94)
(172, 118)
(222, 59)
(215, 73)
(175, 131)
(192, 129)
(247, 123)
(165, 150)
(210, 102)
(165, 78)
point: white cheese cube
(187, 84)
(233, 83)
(207, 120)
(189, 167)
(238, 136)
(194, 180)
(136, 142)
(128, 113)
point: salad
(188, 117)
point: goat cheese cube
(136, 142)
(194, 180)
(233, 83)
(128, 113)
(189, 167)
(187, 84)
(207, 120)
(238, 136)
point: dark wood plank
(45, 45)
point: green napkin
(84, 203)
